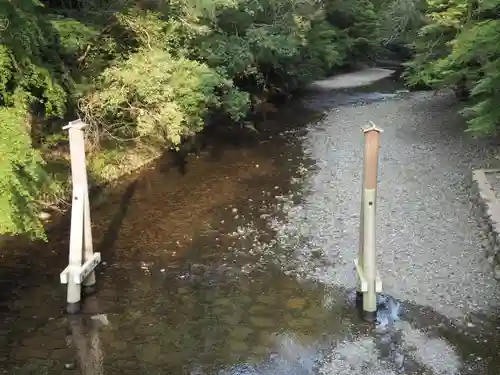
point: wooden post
(81, 247)
(369, 283)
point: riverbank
(104, 166)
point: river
(241, 261)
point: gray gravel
(428, 244)
(355, 79)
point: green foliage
(22, 176)
(444, 18)
(358, 21)
(460, 48)
(476, 58)
(150, 94)
(32, 72)
(32, 78)
(231, 49)
(74, 36)
(154, 71)
(400, 20)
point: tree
(459, 48)
(32, 80)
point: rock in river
(296, 303)
(241, 333)
(262, 322)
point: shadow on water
(191, 285)
(108, 241)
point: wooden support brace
(79, 274)
(363, 283)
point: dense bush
(459, 47)
(33, 80)
(153, 95)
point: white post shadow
(80, 249)
(369, 282)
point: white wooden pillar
(369, 283)
(82, 259)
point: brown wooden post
(369, 283)
(81, 247)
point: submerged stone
(232, 319)
(222, 301)
(260, 350)
(244, 299)
(296, 303)
(150, 352)
(315, 312)
(262, 322)
(256, 309)
(265, 337)
(238, 346)
(241, 333)
(266, 299)
(300, 323)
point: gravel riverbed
(428, 242)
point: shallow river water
(232, 266)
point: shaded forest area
(147, 74)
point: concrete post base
(73, 308)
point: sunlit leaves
(32, 78)
(22, 176)
(460, 47)
(151, 94)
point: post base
(370, 316)
(88, 290)
(73, 308)
(359, 299)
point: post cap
(76, 124)
(372, 127)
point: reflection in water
(394, 347)
(289, 357)
(85, 340)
